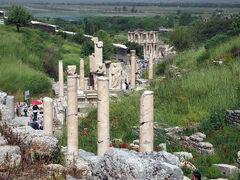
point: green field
(80, 11)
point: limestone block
(71, 70)
(11, 106)
(163, 146)
(226, 169)
(183, 155)
(10, 156)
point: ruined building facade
(150, 42)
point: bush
(161, 68)
(214, 172)
(203, 57)
(214, 41)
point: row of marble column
(103, 125)
(81, 74)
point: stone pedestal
(133, 68)
(72, 119)
(11, 106)
(48, 115)
(103, 115)
(150, 67)
(81, 78)
(60, 78)
(146, 121)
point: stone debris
(126, 164)
(233, 117)
(174, 72)
(36, 141)
(183, 156)
(10, 156)
(227, 170)
(163, 146)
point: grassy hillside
(202, 95)
(28, 58)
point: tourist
(18, 109)
(35, 111)
(196, 176)
(25, 108)
(126, 84)
(33, 123)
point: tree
(185, 19)
(18, 16)
(182, 38)
(137, 47)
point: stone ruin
(151, 44)
(110, 163)
(7, 110)
(233, 117)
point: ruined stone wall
(233, 117)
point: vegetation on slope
(28, 58)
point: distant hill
(98, 1)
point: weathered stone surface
(10, 156)
(36, 141)
(183, 155)
(3, 97)
(163, 146)
(233, 117)
(5, 113)
(186, 178)
(3, 141)
(125, 164)
(226, 169)
(238, 160)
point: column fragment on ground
(133, 68)
(11, 106)
(48, 115)
(72, 119)
(146, 121)
(81, 78)
(150, 69)
(103, 115)
(60, 78)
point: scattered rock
(183, 155)
(226, 169)
(10, 156)
(163, 146)
(238, 160)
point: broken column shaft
(146, 121)
(103, 115)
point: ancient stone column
(133, 68)
(103, 115)
(48, 115)
(11, 106)
(72, 119)
(60, 78)
(150, 67)
(81, 78)
(146, 122)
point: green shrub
(214, 172)
(203, 57)
(161, 68)
(214, 41)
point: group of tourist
(19, 109)
(35, 121)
